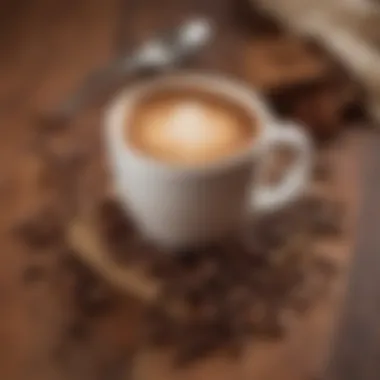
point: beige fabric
(350, 29)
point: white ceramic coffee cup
(179, 207)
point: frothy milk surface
(188, 128)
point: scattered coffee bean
(95, 302)
(163, 267)
(327, 220)
(33, 273)
(323, 170)
(271, 325)
(49, 124)
(69, 262)
(355, 112)
(208, 313)
(115, 227)
(92, 297)
(324, 266)
(188, 258)
(273, 230)
(78, 330)
(118, 368)
(42, 230)
(73, 158)
(197, 342)
(159, 329)
(217, 297)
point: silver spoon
(156, 55)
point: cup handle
(268, 198)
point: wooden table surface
(47, 48)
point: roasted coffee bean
(322, 170)
(33, 273)
(197, 342)
(159, 330)
(78, 330)
(92, 298)
(301, 298)
(60, 353)
(256, 313)
(233, 290)
(208, 268)
(305, 212)
(324, 266)
(115, 226)
(327, 220)
(311, 203)
(95, 303)
(40, 231)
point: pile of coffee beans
(217, 297)
(40, 230)
(213, 298)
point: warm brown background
(47, 46)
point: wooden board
(292, 357)
(48, 46)
(356, 347)
(302, 354)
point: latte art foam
(188, 129)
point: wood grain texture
(48, 46)
(302, 353)
(356, 350)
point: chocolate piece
(118, 368)
(215, 297)
(163, 267)
(40, 231)
(188, 258)
(254, 20)
(319, 106)
(49, 124)
(355, 112)
(270, 325)
(69, 262)
(325, 267)
(208, 312)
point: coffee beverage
(189, 126)
(211, 137)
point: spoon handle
(95, 85)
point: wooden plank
(302, 353)
(357, 349)
(51, 45)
